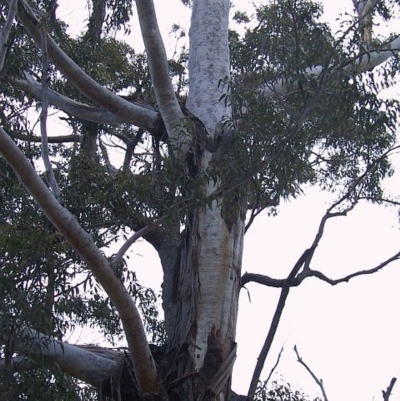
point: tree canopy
(185, 152)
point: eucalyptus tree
(229, 127)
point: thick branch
(92, 368)
(5, 32)
(158, 65)
(365, 62)
(386, 394)
(275, 322)
(296, 281)
(84, 83)
(82, 242)
(80, 110)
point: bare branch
(318, 381)
(5, 32)
(275, 322)
(386, 394)
(158, 65)
(143, 363)
(279, 283)
(266, 280)
(83, 82)
(274, 367)
(131, 240)
(307, 272)
(43, 121)
(82, 110)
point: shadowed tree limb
(17, 364)
(386, 394)
(279, 283)
(275, 322)
(307, 271)
(50, 139)
(274, 367)
(318, 381)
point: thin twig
(274, 367)
(318, 381)
(43, 120)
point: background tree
(210, 139)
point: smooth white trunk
(219, 248)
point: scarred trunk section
(201, 303)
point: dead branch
(17, 364)
(330, 213)
(5, 32)
(275, 322)
(274, 367)
(278, 283)
(386, 394)
(318, 381)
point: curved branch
(81, 110)
(304, 258)
(84, 83)
(158, 65)
(131, 240)
(143, 363)
(296, 281)
(92, 368)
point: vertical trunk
(201, 302)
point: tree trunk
(201, 284)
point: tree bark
(201, 303)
